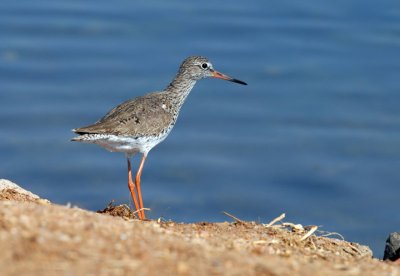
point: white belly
(126, 144)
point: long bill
(218, 75)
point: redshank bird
(139, 124)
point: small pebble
(392, 249)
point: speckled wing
(143, 116)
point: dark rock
(392, 249)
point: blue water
(315, 134)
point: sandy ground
(40, 238)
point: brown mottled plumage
(137, 117)
(139, 124)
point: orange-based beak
(218, 75)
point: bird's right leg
(132, 187)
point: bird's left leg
(132, 186)
(138, 175)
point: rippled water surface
(315, 134)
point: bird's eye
(204, 65)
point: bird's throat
(179, 89)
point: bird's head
(197, 67)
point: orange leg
(131, 186)
(138, 175)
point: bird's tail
(77, 139)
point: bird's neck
(179, 89)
